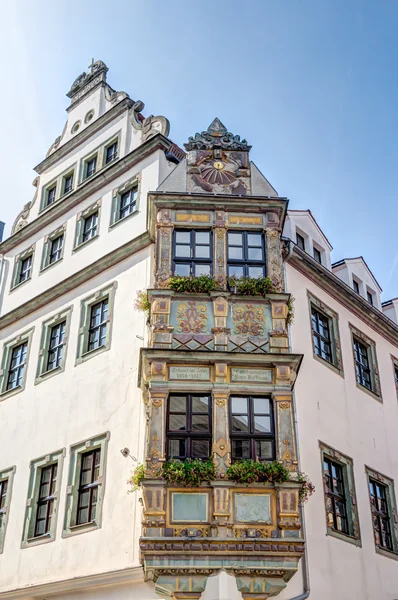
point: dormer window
(91, 166)
(300, 241)
(317, 255)
(68, 183)
(370, 298)
(355, 286)
(111, 153)
(51, 194)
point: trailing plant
(142, 303)
(190, 472)
(290, 311)
(201, 284)
(251, 471)
(251, 286)
(308, 487)
(137, 476)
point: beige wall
(334, 410)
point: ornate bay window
(189, 426)
(192, 252)
(246, 254)
(251, 428)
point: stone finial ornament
(216, 136)
(96, 72)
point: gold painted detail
(192, 218)
(248, 319)
(284, 405)
(238, 220)
(221, 447)
(192, 317)
(259, 532)
(184, 531)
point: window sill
(36, 541)
(46, 267)
(112, 225)
(48, 374)
(84, 244)
(369, 392)
(98, 172)
(344, 537)
(79, 529)
(387, 553)
(11, 392)
(328, 364)
(90, 353)
(20, 284)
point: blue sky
(312, 85)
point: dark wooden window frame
(25, 268)
(317, 254)
(316, 317)
(111, 152)
(252, 435)
(300, 241)
(18, 367)
(189, 435)
(380, 514)
(245, 262)
(46, 500)
(128, 207)
(363, 368)
(91, 166)
(68, 184)
(90, 226)
(51, 195)
(334, 495)
(355, 286)
(88, 487)
(101, 327)
(56, 345)
(192, 261)
(55, 251)
(3, 498)
(369, 296)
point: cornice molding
(72, 282)
(95, 183)
(84, 135)
(32, 592)
(341, 292)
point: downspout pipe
(305, 566)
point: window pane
(183, 237)
(262, 424)
(202, 251)
(200, 404)
(200, 448)
(235, 271)
(261, 406)
(178, 422)
(200, 423)
(239, 405)
(202, 270)
(255, 254)
(235, 239)
(40, 527)
(240, 423)
(329, 511)
(178, 404)
(183, 270)
(83, 516)
(264, 449)
(235, 253)
(240, 449)
(202, 237)
(256, 272)
(254, 239)
(177, 448)
(184, 251)
(84, 498)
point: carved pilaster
(221, 446)
(220, 249)
(164, 242)
(286, 450)
(274, 259)
(279, 342)
(162, 331)
(155, 454)
(220, 331)
(288, 513)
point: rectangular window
(317, 255)
(339, 494)
(51, 195)
(46, 499)
(88, 487)
(16, 369)
(189, 426)
(111, 152)
(355, 286)
(380, 513)
(98, 325)
(246, 254)
(68, 183)
(25, 269)
(300, 241)
(90, 167)
(56, 246)
(192, 252)
(362, 366)
(90, 225)
(370, 298)
(321, 335)
(252, 428)
(128, 202)
(56, 346)
(335, 496)
(6, 480)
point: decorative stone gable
(218, 162)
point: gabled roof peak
(216, 136)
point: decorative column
(221, 445)
(285, 435)
(220, 330)
(164, 244)
(274, 259)
(162, 331)
(279, 341)
(220, 248)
